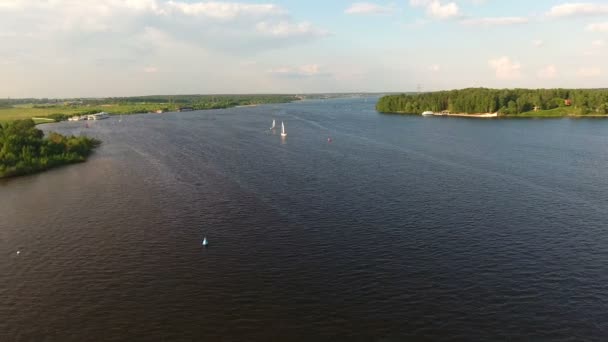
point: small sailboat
(273, 125)
(205, 243)
(283, 134)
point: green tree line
(24, 149)
(503, 101)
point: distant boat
(205, 243)
(273, 125)
(283, 134)
(428, 113)
(329, 140)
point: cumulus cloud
(538, 43)
(438, 10)
(505, 69)
(206, 23)
(495, 21)
(548, 72)
(598, 43)
(589, 72)
(150, 69)
(598, 27)
(369, 8)
(302, 71)
(578, 9)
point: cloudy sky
(73, 48)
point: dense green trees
(504, 101)
(24, 149)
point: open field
(35, 108)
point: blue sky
(71, 48)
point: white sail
(273, 125)
(283, 129)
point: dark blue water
(400, 228)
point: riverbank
(60, 110)
(464, 115)
(534, 103)
(24, 149)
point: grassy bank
(24, 149)
(61, 110)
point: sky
(85, 48)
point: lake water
(400, 227)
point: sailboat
(283, 134)
(205, 243)
(273, 125)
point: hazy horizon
(116, 48)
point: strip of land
(45, 110)
(484, 103)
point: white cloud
(495, 21)
(435, 67)
(505, 69)
(436, 9)
(368, 8)
(286, 29)
(548, 72)
(598, 27)
(578, 9)
(150, 70)
(589, 72)
(538, 43)
(225, 10)
(204, 22)
(302, 71)
(598, 43)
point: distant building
(536, 108)
(568, 102)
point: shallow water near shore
(398, 227)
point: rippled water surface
(401, 227)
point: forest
(504, 101)
(24, 149)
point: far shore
(529, 115)
(475, 115)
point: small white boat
(273, 125)
(428, 113)
(205, 243)
(283, 134)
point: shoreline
(475, 115)
(509, 116)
